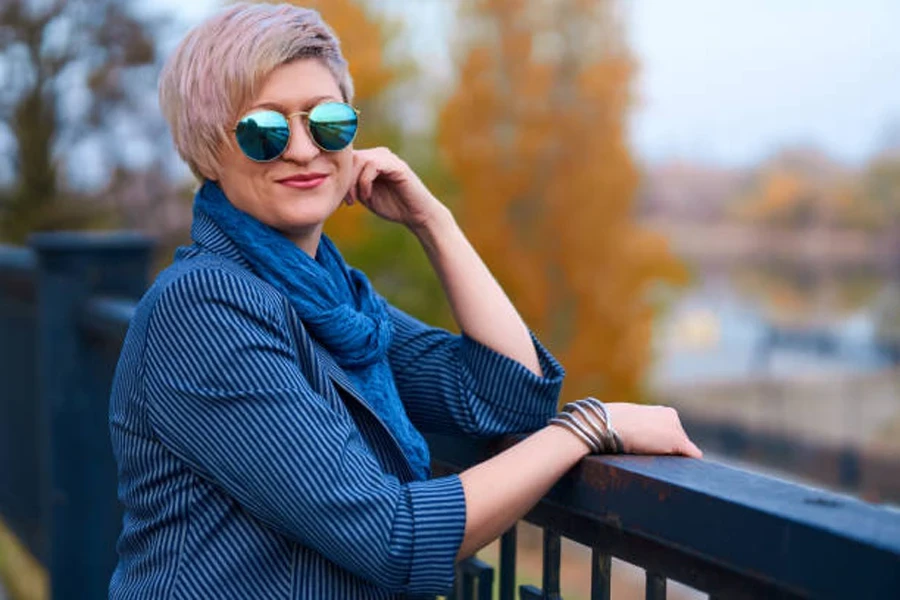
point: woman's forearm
(481, 308)
(501, 490)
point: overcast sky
(731, 81)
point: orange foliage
(781, 196)
(535, 135)
(803, 188)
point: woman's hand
(385, 184)
(651, 430)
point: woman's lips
(304, 183)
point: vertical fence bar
(656, 586)
(466, 587)
(550, 579)
(20, 451)
(508, 564)
(552, 559)
(473, 575)
(486, 584)
(80, 501)
(601, 575)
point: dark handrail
(17, 262)
(718, 529)
(107, 317)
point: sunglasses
(264, 135)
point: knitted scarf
(336, 304)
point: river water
(754, 321)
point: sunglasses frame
(304, 118)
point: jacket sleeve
(454, 384)
(223, 391)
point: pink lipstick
(305, 181)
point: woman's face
(265, 190)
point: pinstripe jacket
(249, 467)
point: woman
(268, 404)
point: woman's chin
(307, 217)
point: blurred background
(694, 203)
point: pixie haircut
(216, 71)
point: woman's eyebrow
(307, 104)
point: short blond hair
(220, 65)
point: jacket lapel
(342, 383)
(207, 235)
(336, 373)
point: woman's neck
(306, 239)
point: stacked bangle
(594, 427)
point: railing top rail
(842, 515)
(93, 240)
(803, 539)
(17, 260)
(108, 317)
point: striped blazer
(250, 467)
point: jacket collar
(210, 237)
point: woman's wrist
(589, 421)
(567, 443)
(433, 224)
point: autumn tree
(799, 188)
(74, 71)
(535, 135)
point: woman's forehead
(297, 85)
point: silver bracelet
(617, 440)
(596, 436)
(594, 427)
(577, 430)
(600, 429)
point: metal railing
(65, 304)
(723, 531)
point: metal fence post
(78, 470)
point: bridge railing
(724, 531)
(57, 359)
(65, 304)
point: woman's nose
(300, 148)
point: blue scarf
(335, 302)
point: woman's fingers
(684, 445)
(651, 430)
(352, 193)
(400, 196)
(688, 448)
(693, 451)
(365, 181)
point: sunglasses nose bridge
(300, 144)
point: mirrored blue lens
(333, 125)
(263, 135)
